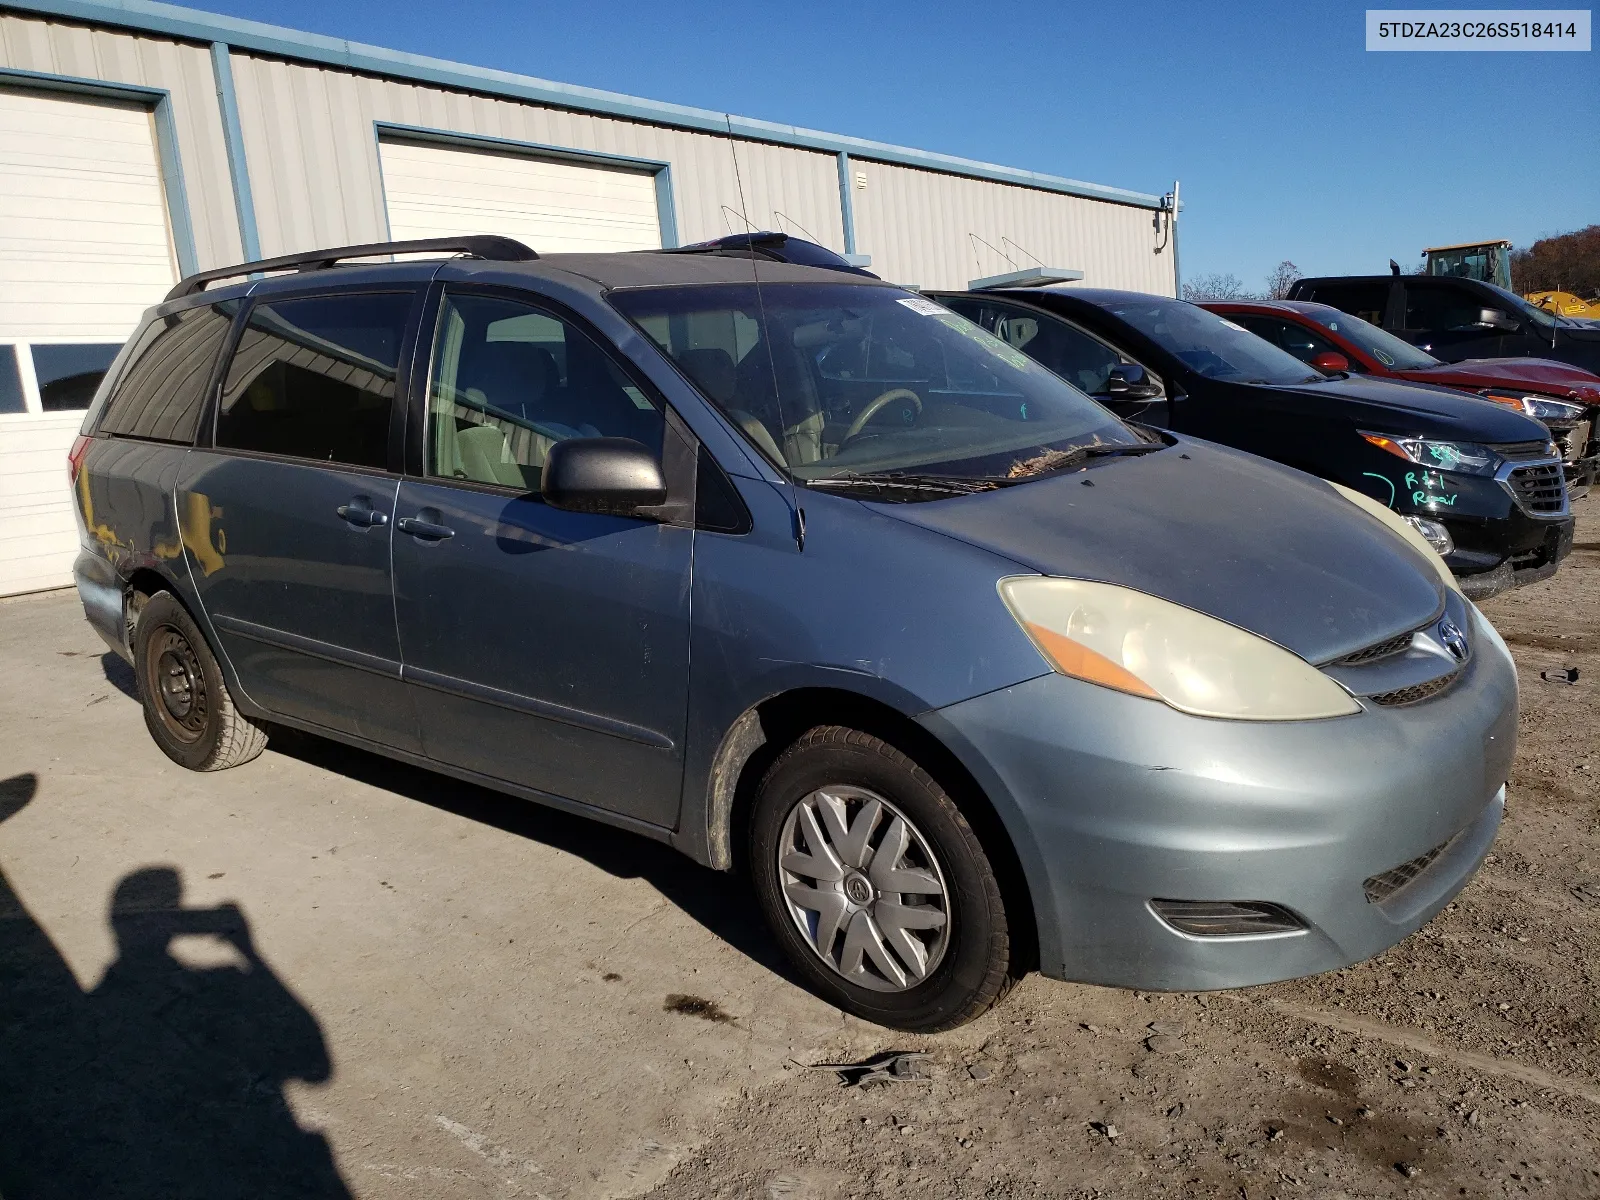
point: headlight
(1399, 525)
(1123, 639)
(1466, 458)
(1545, 408)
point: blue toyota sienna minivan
(803, 574)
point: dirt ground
(381, 983)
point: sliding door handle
(360, 512)
(426, 530)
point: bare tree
(1281, 279)
(1216, 287)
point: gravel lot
(387, 984)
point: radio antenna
(798, 513)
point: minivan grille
(1416, 693)
(1539, 488)
(1376, 651)
(1385, 884)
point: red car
(1565, 398)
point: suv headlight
(1465, 458)
(1124, 639)
(1545, 408)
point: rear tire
(876, 886)
(187, 707)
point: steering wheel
(876, 405)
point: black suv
(1455, 319)
(1480, 481)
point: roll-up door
(84, 249)
(554, 206)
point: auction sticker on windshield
(926, 307)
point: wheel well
(772, 726)
(147, 583)
(143, 584)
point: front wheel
(187, 707)
(876, 886)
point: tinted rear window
(1366, 300)
(315, 379)
(163, 390)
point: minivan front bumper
(1114, 801)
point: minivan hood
(1391, 406)
(1541, 375)
(1239, 538)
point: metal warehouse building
(140, 142)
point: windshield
(1516, 304)
(1211, 345)
(835, 381)
(1385, 347)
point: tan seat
(485, 457)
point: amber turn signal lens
(1072, 658)
(1383, 443)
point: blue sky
(1290, 139)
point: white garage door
(554, 207)
(84, 248)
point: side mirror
(1130, 381)
(618, 476)
(1331, 363)
(1495, 319)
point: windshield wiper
(1058, 460)
(899, 481)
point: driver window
(1288, 335)
(1434, 308)
(1072, 354)
(509, 381)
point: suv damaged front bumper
(1359, 828)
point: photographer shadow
(166, 1079)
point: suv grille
(1522, 451)
(1376, 651)
(1380, 887)
(1416, 693)
(1539, 489)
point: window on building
(69, 374)
(315, 379)
(11, 397)
(163, 391)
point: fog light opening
(1434, 533)
(1227, 918)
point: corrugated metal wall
(923, 227)
(313, 162)
(308, 135)
(51, 47)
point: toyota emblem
(1454, 640)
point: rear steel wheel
(187, 707)
(178, 685)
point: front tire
(876, 886)
(187, 707)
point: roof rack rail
(487, 246)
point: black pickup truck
(1455, 319)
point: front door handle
(360, 512)
(427, 530)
